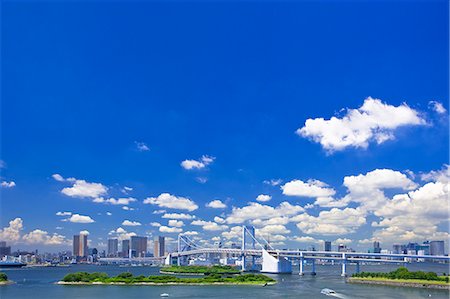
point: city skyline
(210, 129)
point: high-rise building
(437, 248)
(342, 248)
(4, 250)
(80, 247)
(159, 247)
(376, 247)
(125, 248)
(113, 247)
(138, 246)
(327, 246)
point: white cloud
(11, 233)
(312, 188)
(273, 182)
(332, 222)
(258, 211)
(201, 180)
(219, 220)
(81, 188)
(166, 200)
(113, 201)
(131, 223)
(190, 233)
(122, 234)
(344, 241)
(126, 208)
(263, 198)
(38, 236)
(216, 204)
(155, 224)
(177, 216)
(234, 233)
(84, 232)
(63, 213)
(437, 106)
(373, 121)
(209, 225)
(197, 164)
(176, 223)
(141, 146)
(157, 212)
(58, 177)
(166, 229)
(305, 239)
(108, 213)
(77, 218)
(6, 184)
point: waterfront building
(327, 245)
(138, 246)
(113, 247)
(4, 250)
(342, 248)
(80, 248)
(159, 247)
(376, 247)
(437, 248)
(125, 248)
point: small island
(404, 278)
(4, 279)
(126, 278)
(199, 270)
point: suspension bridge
(281, 261)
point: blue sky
(112, 94)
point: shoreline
(400, 283)
(162, 283)
(178, 273)
(5, 283)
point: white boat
(328, 292)
(164, 295)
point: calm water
(39, 283)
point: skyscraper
(113, 247)
(327, 246)
(125, 248)
(80, 247)
(376, 247)
(437, 248)
(159, 247)
(138, 246)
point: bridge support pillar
(301, 265)
(313, 271)
(357, 267)
(243, 260)
(344, 265)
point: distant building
(138, 246)
(437, 248)
(4, 250)
(113, 247)
(342, 248)
(159, 247)
(80, 247)
(125, 248)
(327, 246)
(376, 247)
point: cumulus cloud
(77, 218)
(177, 216)
(305, 239)
(11, 233)
(197, 164)
(131, 223)
(38, 236)
(437, 107)
(190, 233)
(311, 188)
(166, 229)
(119, 201)
(81, 188)
(63, 213)
(374, 121)
(166, 200)
(216, 204)
(209, 225)
(333, 222)
(263, 197)
(345, 241)
(141, 146)
(155, 224)
(258, 211)
(122, 234)
(6, 184)
(175, 223)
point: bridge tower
(184, 244)
(248, 242)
